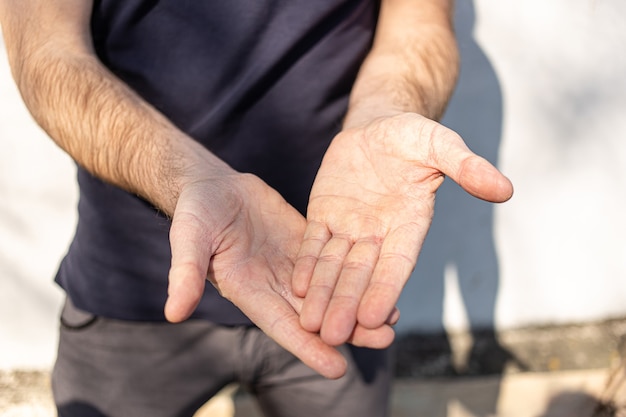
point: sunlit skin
(309, 283)
(369, 214)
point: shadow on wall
(580, 404)
(460, 244)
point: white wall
(542, 94)
(37, 199)
(563, 242)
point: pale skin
(312, 283)
(369, 213)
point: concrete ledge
(539, 349)
(579, 393)
(560, 371)
(25, 393)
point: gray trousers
(117, 368)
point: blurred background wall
(542, 94)
(37, 217)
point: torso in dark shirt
(262, 84)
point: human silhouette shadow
(461, 238)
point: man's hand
(370, 209)
(244, 236)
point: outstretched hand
(244, 237)
(369, 211)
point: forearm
(99, 121)
(413, 64)
(106, 127)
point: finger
(394, 317)
(481, 179)
(281, 323)
(380, 338)
(191, 254)
(323, 282)
(315, 238)
(395, 265)
(341, 315)
(473, 173)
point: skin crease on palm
(361, 241)
(276, 230)
(369, 214)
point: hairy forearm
(75, 101)
(413, 64)
(100, 122)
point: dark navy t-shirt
(263, 84)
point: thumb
(474, 174)
(191, 254)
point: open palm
(243, 236)
(369, 211)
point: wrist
(186, 165)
